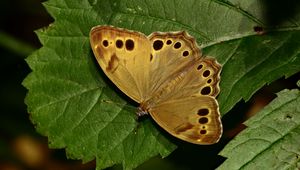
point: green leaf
(251, 62)
(271, 140)
(71, 101)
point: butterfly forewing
(122, 56)
(172, 53)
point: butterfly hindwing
(195, 119)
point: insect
(167, 75)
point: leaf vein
(240, 10)
(66, 98)
(271, 144)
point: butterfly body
(167, 74)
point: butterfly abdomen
(166, 90)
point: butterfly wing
(171, 53)
(188, 83)
(124, 56)
(195, 119)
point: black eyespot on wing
(119, 44)
(169, 42)
(185, 53)
(209, 81)
(203, 112)
(129, 44)
(177, 45)
(206, 90)
(158, 44)
(206, 73)
(203, 120)
(199, 67)
(105, 43)
(203, 132)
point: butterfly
(167, 75)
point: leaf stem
(15, 45)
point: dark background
(22, 148)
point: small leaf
(271, 140)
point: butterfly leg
(141, 112)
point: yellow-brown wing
(124, 56)
(178, 69)
(187, 83)
(171, 54)
(195, 119)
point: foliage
(71, 101)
